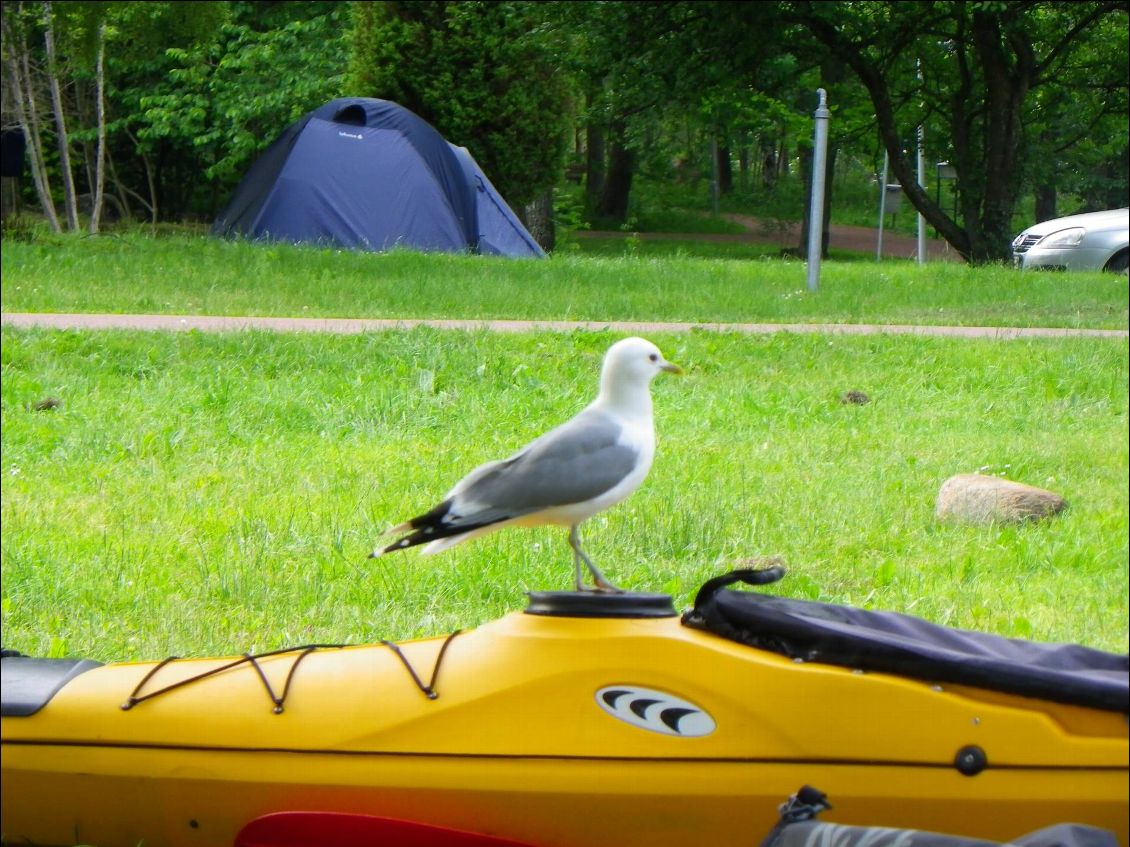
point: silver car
(1098, 241)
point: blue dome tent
(367, 174)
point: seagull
(566, 476)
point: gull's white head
(635, 362)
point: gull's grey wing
(578, 461)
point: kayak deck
(547, 730)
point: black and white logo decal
(654, 710)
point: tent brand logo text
(655, 711)
(350, 135)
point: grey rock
(979, 499)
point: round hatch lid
(593, 604)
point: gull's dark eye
(654, 357)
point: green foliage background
(480, 72)
(196, 90)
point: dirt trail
(857, 239)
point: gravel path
(208, 323)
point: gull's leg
(601, 584)
(578, 579)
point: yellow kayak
(583, 722)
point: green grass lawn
(646, 280)
(199, 493)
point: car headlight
(1064, 238)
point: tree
(55, 60)
(165, 104)
(480, 73)
(683, 81)
(70, 203)
(970, 67)
(21, 76)
(85, 27)
(220, 102)
(641, 66)
(1077, 142)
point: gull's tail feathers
(434, 529)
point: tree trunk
(725, 171)
(826, 214)
(594, 165)
(85, 118)
(115, 185)
(1046, 202)
(17, 67)
(539, 220)
(618, 183)
(769, 167)
(151, 205)
(1007, 82)
(69, 199)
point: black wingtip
(412, 540)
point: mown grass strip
(133, 273)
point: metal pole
(816, 209)
(882, 204)
(922, 184)
(921, 181)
